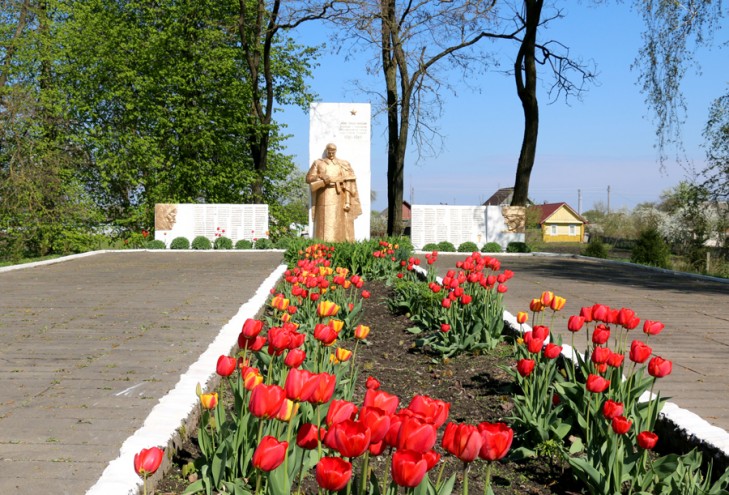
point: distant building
(502, 197)
(406, 215)
(559, 222)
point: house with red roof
(559, 222)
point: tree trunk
(525, 73)
(395, 156)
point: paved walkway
(695, 312)
(90, 345)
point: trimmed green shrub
(467, 247)
(180, 243)
(244, 244)
(446, 247)
(518, 247)
(156, 244)
(651, 249)
(223, 242)
(431, 246)
(283, 243)
(491, 247)
(264, 243)
(201, 243)
(596, 248)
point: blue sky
(604, 139)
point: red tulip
(533, 344)
(612, 409)
(372, 384)
(324, 389)
(381, 399)
(552, 351)
(496, 440)
(647, 440)
(408, 468)
(659, 367)
(266, 400)
(349, 438)
(615, 360)
(365, 294)
(434, 410)
(621, 425)
(502, 289)
(251, 328)
(600, 312)
(525, 367)
(333, 473)
(269, 454)
(226, 365)
(586, 313)
(639, 352)
(596, 384)
(325, 334)
(600, 355)
(462, 440)
(431, 458)
(415, 434)
(377, 420)
(540, 332)
(340, 410)
(295, 358)
(574, 324)
(147, 461)
(446, 303)
(601, 334)
(652, 327)
(309, 435)
(300, 384)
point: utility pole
(579, 201)
(608, 201)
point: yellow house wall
(562, 218)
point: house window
(573, 229)
(552, 230)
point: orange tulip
(209, 401)
(557, 303)
(327, 308)
(342, 354)
(361, 332)
(521, 317)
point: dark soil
(477, 386)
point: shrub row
(470, 247)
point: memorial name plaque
(233, 221)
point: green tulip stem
(258, 482)
(487, 479)
(649, 419)
(304, 453)
(587, 420)
(288, 442)
(465, 478)
(386, 475)
(144, 477)
(318, 429)
(365, 474)
(440, 476)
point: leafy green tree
(716, 133)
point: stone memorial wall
(191, 220)
(459, 224)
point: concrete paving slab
(90, 345)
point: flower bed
(283, 390)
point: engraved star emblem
(353, 112)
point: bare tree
(416, 41)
